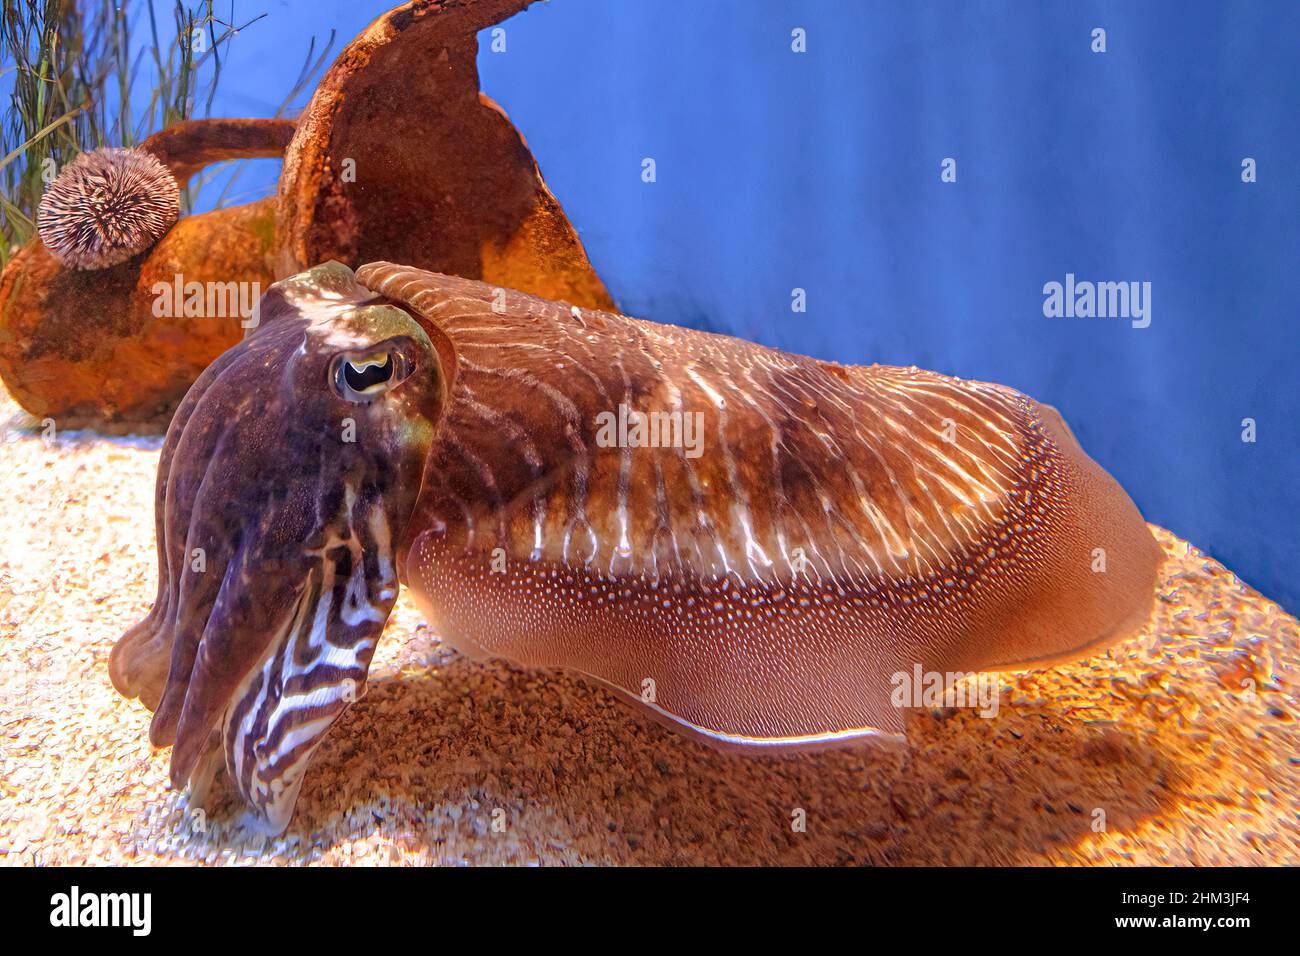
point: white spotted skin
(842, 524)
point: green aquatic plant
(84, 75)
(72, 69)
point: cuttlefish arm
(805, 532)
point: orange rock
(398, 156)
(84, 346)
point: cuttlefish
(747, 543)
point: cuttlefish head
(285, 482)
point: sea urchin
(106, 206)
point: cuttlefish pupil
(844, 525)
(358, 377)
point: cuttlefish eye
(360, 378)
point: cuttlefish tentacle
(749, 544)
(140, 660)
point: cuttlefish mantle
(836, 525)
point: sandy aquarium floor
(1178, 746)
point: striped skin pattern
(290, 494)
(756, 583)
(841, 525)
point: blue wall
(821, 171)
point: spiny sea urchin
(107, 205)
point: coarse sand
(1178, 746)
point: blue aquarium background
(820, 171)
